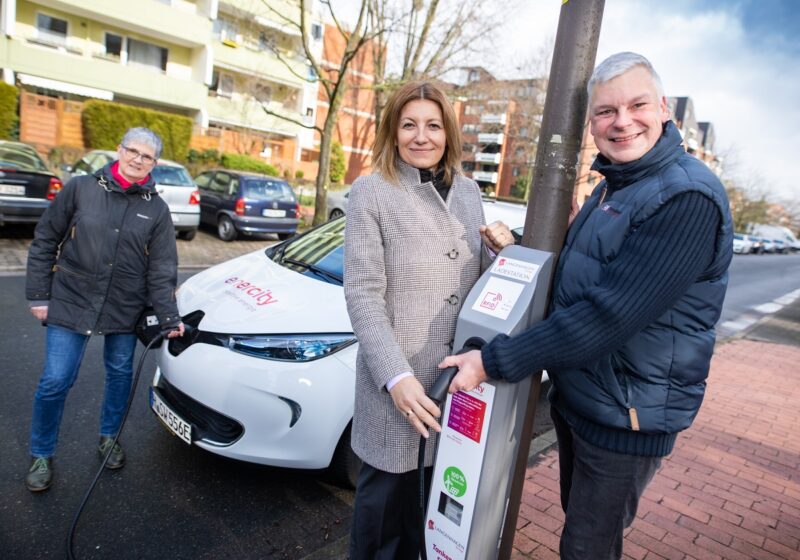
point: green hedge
(104, 124)
(247, 163)
(9, 120)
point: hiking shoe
(116, 460)
(40, 475)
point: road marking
(740, 323)
(768, 308)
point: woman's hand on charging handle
(470, 371)
(410, 399)
(178, 332)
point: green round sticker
(455, 482)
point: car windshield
(12, 157)
(265, 189)
(318, 254)
(169, 175)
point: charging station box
(481, 428)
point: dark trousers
(386, 516)
(600, 492)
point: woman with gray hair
(103, 251)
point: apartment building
(259, 93)
(500, 122)
(236, 67)
(155, 56)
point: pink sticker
(466, 415)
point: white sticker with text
(516, 269)
(498, 297)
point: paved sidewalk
(731, 488)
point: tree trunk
(323, 175)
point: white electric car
(267, 374)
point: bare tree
(432, 37)
(331, 78)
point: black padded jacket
(101, 254)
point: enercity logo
(260, 295)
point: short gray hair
(617, 64)
(145, 136)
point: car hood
(253, 295)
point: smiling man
(639, 287)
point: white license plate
(270, 213)
(18, 190)
(172, 421)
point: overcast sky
(739, 61)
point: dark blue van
(240, 202)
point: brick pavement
(730, 489)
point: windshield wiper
(313, 268)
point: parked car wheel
(345, 464)
(285, 236)
(187, 234)
(225, 229)
(336, 213)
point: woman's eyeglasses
(133, 153)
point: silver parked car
(173, 183)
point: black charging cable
(437, 393)
(155, 342)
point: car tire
(336, 213)
(225, 229)
(345, 465)
(187, 234)
(285, 236)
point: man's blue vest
(661, 371)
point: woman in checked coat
(415, 244)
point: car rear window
(174, 176)
(265, 189)
(19, 158)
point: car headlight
(288, 348)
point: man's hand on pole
(470, 370)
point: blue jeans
(600, 493)
(63, 355)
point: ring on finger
(409, 413)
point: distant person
(639, 286)
(102, 251)
(414, 246)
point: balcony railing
(489, 138)
(487, 158)
(494, 118)
(485, 176)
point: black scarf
(427, 176)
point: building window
(266, 42)
(309, 111)
(316, 31)
(51, 29)
(147, 54)
(225, 29)
(515, 171)
(312, 74)
(469, 128)
(221, 84)
(113, 45)
(263, 93)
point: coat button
(452, 254)
(452, 300)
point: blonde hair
(384, 152)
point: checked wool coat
(410, 260)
